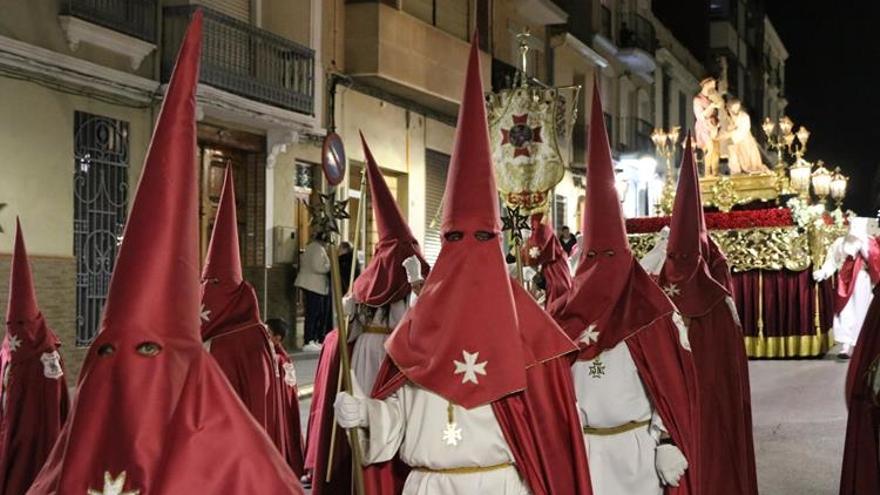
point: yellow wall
(36, 22)
(398, 139)
(285, 180)
(36, 161)
(290, 19)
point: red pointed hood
(26, 330)
(466, 338)
(384, 279)
(151, 401)
(22, 297)
(685, 276)
(544, 249)
(610, 289)
(228, 302)
(470, 202)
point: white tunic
(412, 422)
(610, 393)
(369, 348)
(654, 259)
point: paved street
(799, 417)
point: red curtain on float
(784, 314)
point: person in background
(346, 258)
(567, 239)
(278, 331)
(314, 280)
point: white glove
(413, 267)
(670, 464)
(820, 275)
(348, 305)
(351, 409)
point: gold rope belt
(464, 470)
(377, 329)
(615, 430)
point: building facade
(81, 82)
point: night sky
(833, 87)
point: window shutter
(436, 165)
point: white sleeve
(832, 262)
(385, 427)
(321, 262)
(657, 428)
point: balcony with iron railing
(244, 60)
(637, 40)
(136, 18)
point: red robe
(244, 353)
(34, 410)
(321, 424)
(861, 462)
(716, 340)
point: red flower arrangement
(745, 219)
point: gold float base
(724, 192)
(793, 346)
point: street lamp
(799, 175)
(838, 187)
(803, 135)
(821, 181)
(664, 143)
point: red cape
(321, 426)
(861, 463)
(290, 411)
(540, 424)
(846, 277)
(551, 257)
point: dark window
(436, 165)
(559, 212)
(100, 203)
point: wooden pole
(359, 219)
(345, 367)
(357, 231)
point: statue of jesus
(744, 157)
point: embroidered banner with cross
(523, 125)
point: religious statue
(743, 155)
(708, 107)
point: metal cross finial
(515, 222)
(523, 39)
(326, 213)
